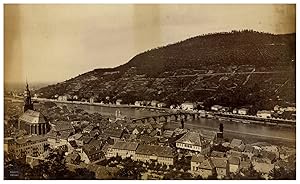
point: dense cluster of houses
(239, 158)
(148, 142)
(89, 141)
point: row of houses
(242, 111)
(219, 166)
(191, 106)
(153, 103)
(223, 166)
(219, 108)
(199, 142)
(142, 152)
(280, 109)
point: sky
(52, 43)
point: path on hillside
(231, 73)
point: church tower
(27, 99)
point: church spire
(27, 84)
(27, 99)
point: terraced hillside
(234, 69)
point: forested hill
(201, 68)
(234, 48)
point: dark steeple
(27, 99)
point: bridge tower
(220, 133)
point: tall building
(33, 122)
(27, 99)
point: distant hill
(237, 68)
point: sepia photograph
(149, 91)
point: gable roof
(34, 117)
(245, 164)
(85, 139)
(219, 162)
(130, 128)
(70, 158)
(270, 155)
(208, 134)
(95, 132)
(234, 160)
(148, 139)
(89, 128)
(59, 135)
(235, 143)
(179, 131)
(260, 160)
(234, 153)
(197, 158)
(31, 138)
(248, 148)
(156, 125)
(153, 133)
(73, 144)
(193, 138)
(62, 126)
(168, 133)
(123, 145)
(206, 164)
(138, 129)
(90, 151)
(188, 103)
(217, 154)
(117, 133)
(161, 151)
(76, 136)
(96, 143)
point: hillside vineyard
(238, 68)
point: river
(126, 111)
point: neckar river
(248, 132)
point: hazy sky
(52, 43)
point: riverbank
(205, 114)
(103, 105)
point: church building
(33, 122)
